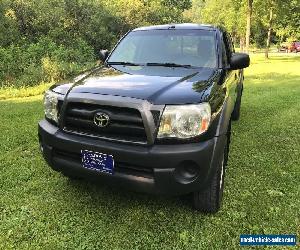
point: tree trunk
(248, 27)
(242, 43)
(270, 26)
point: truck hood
(158, 85)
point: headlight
(50, 105)
(184, 121)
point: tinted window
(224, 54)
(189, 47)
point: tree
(9, 32)
(248, 27)
(148, 12)
(270, 27)
(227, 13)
(263, 21)
(194, 14)
(269, 12)
(288, 21)
(51, 39)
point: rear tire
(210, 199)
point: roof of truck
(186, 26)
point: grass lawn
(40, 209)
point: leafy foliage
(43, 40)
(232, 14)
(43, 60)
(287, 26)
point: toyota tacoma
(154, 117)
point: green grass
(40, 209)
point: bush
(50, 69)
(27, 65)
(48, 40)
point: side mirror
(103, 54)
(239, 61)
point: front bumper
(165, 169)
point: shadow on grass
(277, 57)
(272, 92)
(284, 58)
(122, 197)
(272, 79)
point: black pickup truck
(156, 117)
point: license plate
(97, 161)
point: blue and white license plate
(97, 161)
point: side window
(228, 47)
(225, 51)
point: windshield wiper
(124, 63)
(167, 64)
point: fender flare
(221, 140)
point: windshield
(169, 47)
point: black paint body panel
(153, 166)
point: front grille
(125, 124)
(119, 167)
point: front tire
(210, 199)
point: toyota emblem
(101, 119)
